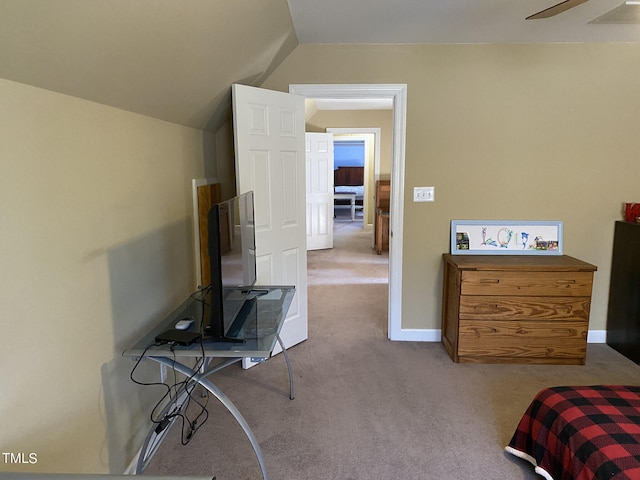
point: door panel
(319, 181)
(269, 144)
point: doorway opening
(396, 93)
(371, 138)
(349, 156)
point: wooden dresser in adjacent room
(516, 308)
(381, 227)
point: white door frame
(397, 93)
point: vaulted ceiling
(169, 59)
(175, 60)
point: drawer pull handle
(489, 280)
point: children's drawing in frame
(506, 237)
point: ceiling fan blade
(556, 9)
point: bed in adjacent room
(349, 188)
(582, 433)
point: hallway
(351, 260)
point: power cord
(173, 393)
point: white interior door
(270, 161)
(319, 168)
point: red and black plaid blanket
(582, 433)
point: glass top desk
(258, 332)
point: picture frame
(506, 237)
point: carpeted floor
(366, 407)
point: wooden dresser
(516, 308)
(383, 199)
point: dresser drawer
(558, 342)
(477, 307)
(562, 284)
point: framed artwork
(506, 237)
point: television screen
(232, 254)
(237, 249)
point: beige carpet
(366, 407)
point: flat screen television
(232, 256)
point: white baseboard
(435, 335)
(597, 336)
(417, 335)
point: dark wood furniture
(383, 199)
(623, 314)
(350, 176)
(516, 308)
(208, 195)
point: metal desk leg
(222, 398)
(286, 359)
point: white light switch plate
(424, 194)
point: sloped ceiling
(168, 59)
(176, 59)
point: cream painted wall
(96, 241)
(528, 132)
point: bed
(349, 188)
(582, 433)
